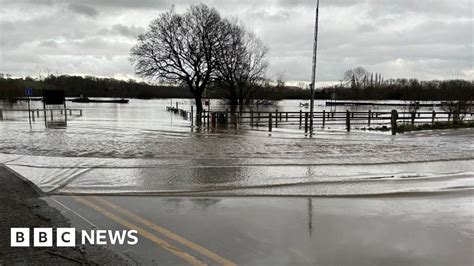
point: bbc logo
(42, 237)
(66, 237)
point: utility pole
(313, 75)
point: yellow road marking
(162, 243)
(167, 233)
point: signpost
(28, 93)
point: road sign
(29, 92)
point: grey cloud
(124, 30)
(278, 15)
(48, 43)
(444, 7)
(84, 10)
(429, 38)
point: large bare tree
(356, 77)
(242, 63)
(181, 48)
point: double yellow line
(162, 243)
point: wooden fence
(38, 112)
(321, 119)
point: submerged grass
(438, 125)
(402, 128)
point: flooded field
(139, 148)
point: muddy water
(140, 148)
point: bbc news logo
(66, 237)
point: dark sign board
(53, 96)
(29, 92)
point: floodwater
(139, 148)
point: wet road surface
(431, 230)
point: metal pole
(29, 111)
(44, 112)
(65, 112)
(313, 74)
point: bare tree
(181, 48)
(280, 80)
(356, 77)
(458, 98)
(242, 63)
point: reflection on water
(141, 148)
(310, 216)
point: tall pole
(29, 110)
(313, 74)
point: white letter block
(66, 237)
(43, 237)
(19, 237)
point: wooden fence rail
(38, 112)
(322, 119)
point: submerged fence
(322, 119)
(49, 115)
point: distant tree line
(391, 89)
(89, 86)
(406, 90)
(359, 84)
(75, 86)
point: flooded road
(139, 148)
(435, 230)
(247, 196)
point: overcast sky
(426, 39)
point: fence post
(306, 122)
(433, 117)
(370, 116)
(258, 118)
(393, 121)
(413, 115)
(324, 118)
(270, 122)
(348, 121)
(449, 116)
(192, 115)
(251, 117)
(80, 112)
(203, 117)
(51, 115)
(65, 113)
(287, 116)
(37, 113)
(301, 118)
(1, 114)
(276, 118)
(45, 115)
(33, 115)
(213, 119)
